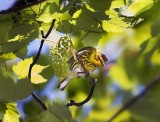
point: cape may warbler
(90, 57)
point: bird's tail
(64, 83)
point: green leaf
(49, 12)
(116, 24)
(54, 7)
(155, 28)
(45, 116)
(11, 114)
(67, 7)
(7, 56)
(82, 21)
(138, 6)
(148, 48)
(120, 76)
(22, 31)
(20, 36)
(64, 24)
(117, 4)
(2, 109)
(12, 91)
(100, 5)
(21, 53)
(55, 112)
(5, 26)
(60, 111)
(22, 68)
(145, 109)
(91, 39)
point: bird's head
(102, 58)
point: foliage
(126, 30)
(60, 55)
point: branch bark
(136, 98)
(36, 59)
(15, 8)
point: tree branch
(136, 98)
(72, 102)
(39, 101)
(36, 59)
(15, 8)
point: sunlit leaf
(22, 68)
(50, 12)
(11, 114)
(7, 56)
(119, 75)
(138, 6)
(112, 13)
(117, 4)
(36, 78)
(115, 25)
(155, 59)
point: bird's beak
(103, 64)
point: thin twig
(39, 100)
(40, 48)
(72, 102)
(136, 98)
(87, 75)
(15, 8)
(36, 59)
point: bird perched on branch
(90, 58)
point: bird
(90, 57)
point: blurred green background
(127, 31)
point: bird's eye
(104, 57)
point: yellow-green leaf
(140, 6)
(7, 56)
(117, 4)
(11, 114)
(22, 68)
(36, 78)
(116, 24)
(119, 75)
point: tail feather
(64, 83)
